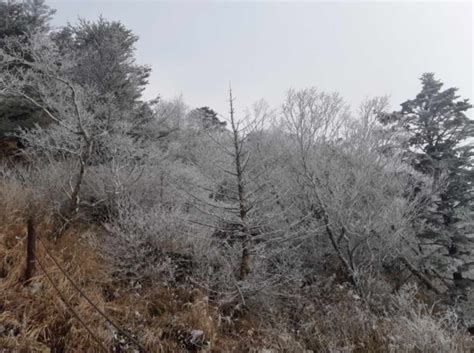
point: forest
(135, 225)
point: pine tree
(104, 52)
(206, 118)
(439, 144)
(18, 19)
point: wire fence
(31, 240)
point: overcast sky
(356, 48)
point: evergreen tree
(17, 19)
(439, 144)
(206, 118)
(20, 17)
(105, 55)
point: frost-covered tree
(20, 17)
(17, 19)
(352, 196)
(205, 118)
(238, 202)
(74, 110)
(104, 52)
(438, 143)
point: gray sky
(356, 48)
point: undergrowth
(324, 317)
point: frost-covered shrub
(417, 327)
(149, 243)
(333, 318)
(36, 184)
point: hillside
(130, 224)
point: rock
(35, 288)
(197, 337)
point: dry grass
(33, 314)
(34, 319)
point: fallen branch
(420, 275)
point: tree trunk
(247, 241)
(84, 160)
(245, 259)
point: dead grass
(34, 319)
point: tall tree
(105, 55)
(17, 20)
(20, 17)
(44, 84)
(238, 197)
(439, 144)
(350, 196)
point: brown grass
(34, 318)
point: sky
(359, 49)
